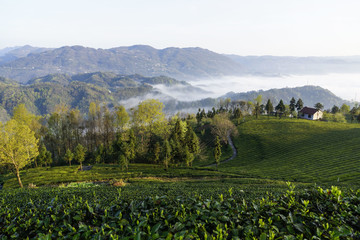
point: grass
(44, 176)
(298, 150)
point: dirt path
(230, 158)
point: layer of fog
(346, 86)
(184, 92)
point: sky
(243, 27)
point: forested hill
(309, 94)
(140, 59)
(42, 95)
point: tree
(345, 108)
(123, 161)
(222, 127)
(319, 106)
(292, 104)
(217, 151)
(192, 141)
(353, 112)
(188, 157)
(280, 108)
(167, 153)
(149, 119)
(157, 151)
(335, 109)
(299, 104)
(44, 156)
(269, 107)
(149, 114)
(18, 146)
(68, 156)
(132, 145)
(23, 116)
(121, 118)
(257, 103)
(79, 154)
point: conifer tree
(188, 157)
(167, 153)
(132, 145)
(299, 104)
(217, 151)
(269, 107)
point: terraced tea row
(112, 213)
(298, 150)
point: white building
(310, 113)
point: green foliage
(217, 151)
(280, 107)
(18, 146)
(79, 154)
(269, 107)
(337, 117)
(292, 104)
(345, 108)
(166, 153)
(123, 162)
(299, 104)
(68, 156)
(318, 106)
(87, 212)
(44, 157)
(297, 150)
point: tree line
(108, 136)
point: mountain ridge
(181, 63)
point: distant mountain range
(23, 64)
(27, 62)
(277, 66)
(13, 53)
(41, 95)
(75, 75)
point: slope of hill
(42, 94)
(139, 59)
(298, 150)
(309, 94)
(11, 54)
(276, 65)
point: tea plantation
(298, 150)
(104, 213)
(246, 198)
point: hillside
(42, 94)
(309, 94)
(11, 54)
(298, 150)
(277, 65)
(145, 60)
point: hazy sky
(244, 27)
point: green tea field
(298, 150)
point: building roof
(308, 110)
